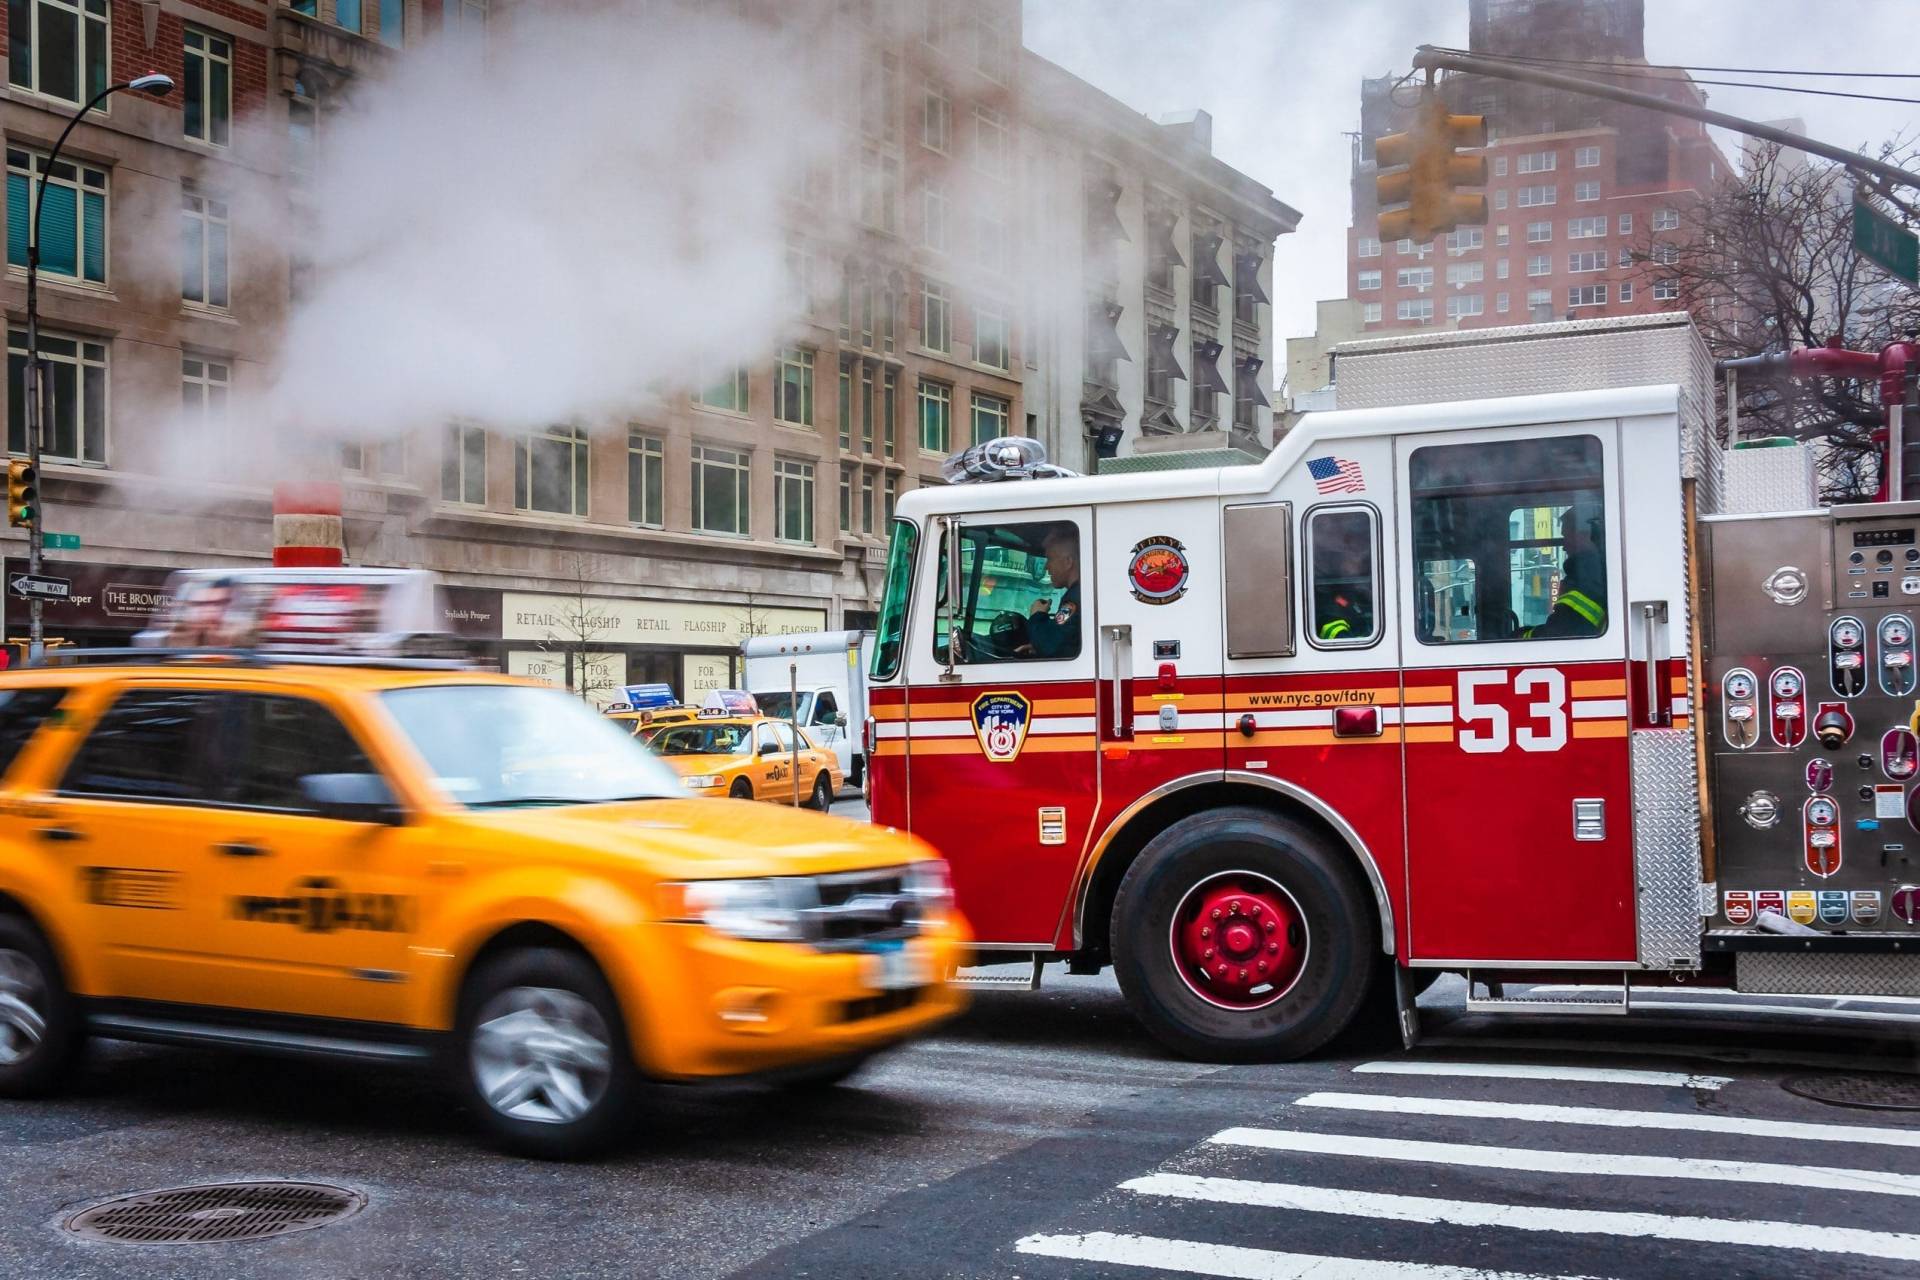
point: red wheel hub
(1239, 941)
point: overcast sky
(1282, 79)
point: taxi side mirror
(352, 797)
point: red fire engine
(1416, 693)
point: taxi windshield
(501, 746)
(701, 740)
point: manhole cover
(207, 1215)
(1859, 1089)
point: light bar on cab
(1002, 458)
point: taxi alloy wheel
(542, 1054)
(39, 1026)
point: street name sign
(1881, 240)
(60, 541)
(31, 585)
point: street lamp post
(159, 86)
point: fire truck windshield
(1020, 593)
(892, 629)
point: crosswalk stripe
(1655, 1049)
(1526, 1071)
(1240, 1263)
(1523, 1217)
(1589, 1163)
(1773, 1131)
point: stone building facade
(612, 552)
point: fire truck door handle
(1120, 724)
(1653, 614)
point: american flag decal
(1336, 475)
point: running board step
(1497, 1001)
(985, 976)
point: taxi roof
(367, 676)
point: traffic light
(1419, 169)
(23, 493)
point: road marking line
(1656, 1049)
(1594, 1163)
(1239, 1263)
(1770, 1131)
(1524, 1071)
(1526, 1217)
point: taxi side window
(147, 746)
(274, 742)
(22, 712)
(783, 734)
(764, 741)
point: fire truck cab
(1415, 692)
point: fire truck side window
(1509, 542)
(1343, 555)
(1020, 593)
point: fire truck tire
(1283, 898)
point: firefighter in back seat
(1343, 590)
(1053, 627)
(1580, 608)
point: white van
(829, 669)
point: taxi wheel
(822, 794)
(542, 1054)
(40, 1029)
(741, 789)
(1238, 936)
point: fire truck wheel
(1238, 935)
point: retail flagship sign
(597, 620)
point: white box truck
(830, 670)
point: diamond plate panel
(1765, 480)
(1573, 355)
(1666, 847)
(1788, 974)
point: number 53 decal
(1487, 726)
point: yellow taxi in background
(746, 757)
(398, 860)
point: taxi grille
(858, 908)
(879, 1006)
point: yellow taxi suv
(408, 861)
(747, 757)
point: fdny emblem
(1739, 908)
(1000, 722)
(1158, 573)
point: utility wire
(1675, 66)
(1615, 70)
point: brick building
(927, 262)
(1580, 191)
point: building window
(990, 56)
(1625, 224)
(729, 393)
(1501, 267)
(1587, 295)
(393, 23)
(990, 339)
(846, 404)
(1403, 246)
(1370, 313)
(936, 120)
(1465, 304)
(1666, 290)
(720, 490)
(347, 14)
(303, 117)
(59, 47)
(889, 409)
(880, 97)
(1590, 261)
(1414, 277)
(891, 496)
(1586, 191)
(1586, 228)
(846, 499)
(792, 500)
(1500, 302)
(203, 398)
(989, 141)
(1500, 236)
(1466, 238)
(1540, 265)
(866, 408)
(1531, 197)
(1666, 254)
(1500, 198)
(1459, 273)
(867, 486)
(463, 465)
(1666, 220)
(1369, 280)
(1416, 309)
(1586, 158)
(646, 480)
(1539, 232)
(936, 417)
(933, 214)
(550, 471)
(73, 221)
(1538, 298)
(1499, 166)
(793, 388)
(1368, 247)
(75, 386)
(992, 417)
(1626, 291)
(936, 323)
(1626, 258)
(879, 180)
(208, 87)
(1538, 162)
(203, 250)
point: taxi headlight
(930, 885)
(700, 782)
(759, 910)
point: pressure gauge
(1847, 634)
(1786, 684)
(1821, 812)
(1740, 686)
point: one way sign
(30, 585)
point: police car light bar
(1002, 458)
